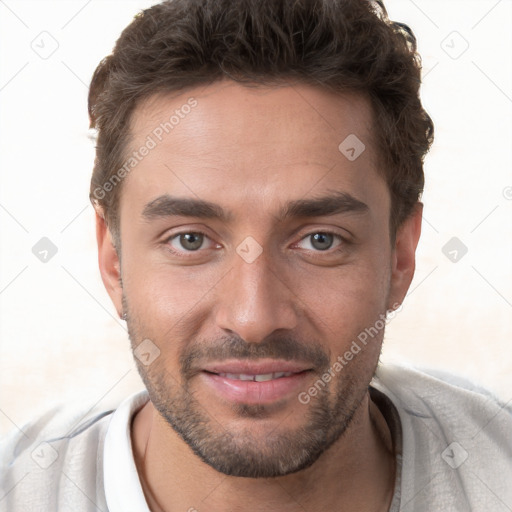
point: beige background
(60, 338)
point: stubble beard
(242, 452)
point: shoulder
(456, 439)
(413, 386)
(52, 460)
(452, 400)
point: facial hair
(242, 452)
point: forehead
(252, 146)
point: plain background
(61, 340)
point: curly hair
(338, 45)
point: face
(255, 253)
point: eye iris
(191, 241)
(322, 241)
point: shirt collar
(123, 490)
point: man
(257, 180)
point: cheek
(344, 302)
(165, 295)
(164, 307)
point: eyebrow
(170, 206)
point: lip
(256, 367)
(254, 392)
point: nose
(254, 300)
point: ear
(404, 256)
(108, 259)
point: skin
(251, 151)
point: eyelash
(339, 248)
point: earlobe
(404, 256)
(108, 260)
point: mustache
(288, 348)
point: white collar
(123, 490)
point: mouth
(261, 377)
(260, 382)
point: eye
(188, 241)
(321, 240)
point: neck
(355, 473)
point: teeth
(263, 377)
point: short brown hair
(339, 45)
